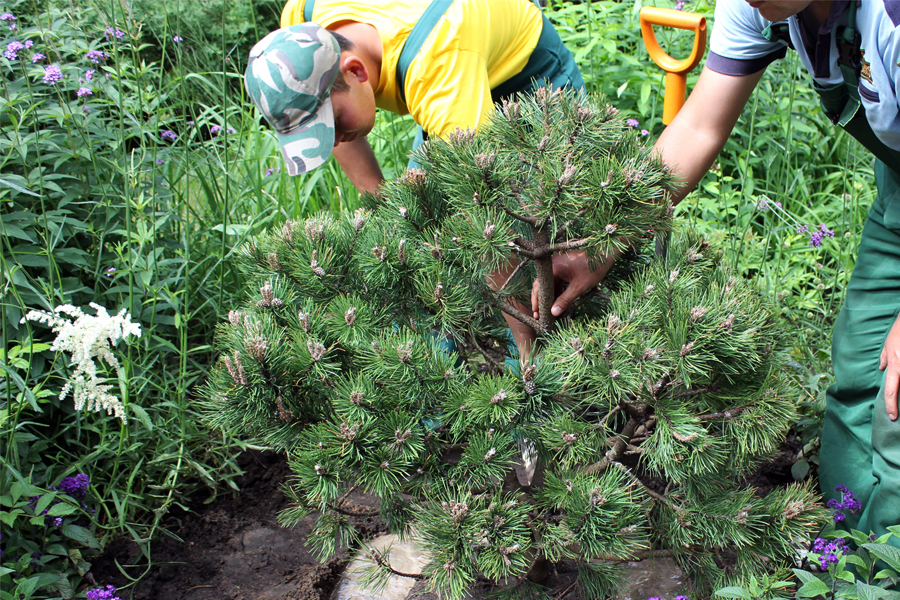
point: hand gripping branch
(676, 70)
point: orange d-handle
(676, 70)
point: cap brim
(309, 146)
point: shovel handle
(676, 70)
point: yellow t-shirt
(476, 46)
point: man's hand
(890, 361)
(573, 277)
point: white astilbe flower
(86, 338)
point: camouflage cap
(289, 77)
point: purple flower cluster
(215, 129)
(680, 5)
(75, 486)
(97, 56)
(84, 91)
(170, 135)
(37, 57)
(816, 237)
(847, 503)
(114, 31)
(12, 50)
(52, 74)
(10, 19)
(632, 122)
(829, 552)
(107, 593)
(763, 204)
(271, 171)
(177, 39)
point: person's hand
(573, 276)
(890, 363)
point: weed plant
(118, 187)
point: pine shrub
(375, 355)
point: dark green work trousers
(860, 445)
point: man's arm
(694, 138)
(359, 163)
(689, 145)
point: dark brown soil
(234, 549)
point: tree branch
(726, 415)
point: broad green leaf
(142, 416)
(61, 509)
(7, 183)
(81, 535)
(733, 592)
(813, 588)
(888, 554)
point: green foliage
(374, 353)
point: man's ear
(356, 67)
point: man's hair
(340, 85)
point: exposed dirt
(234, 549)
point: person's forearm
(358, 162)
(694, 138)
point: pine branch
(648, 491)
(533, 221)
(382, 562)
(517, 314)
(727, 415)
(484, 352)
(616, 453)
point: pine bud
(268, 295)
(350, 316)
(530, 387)
(234, 317)
(614, 324)
(686, 348)
(611, 228)
(379, 252)
(489, 230)
(697, 313)
(510, 110)
(315, 229)
(317, 350)
(404, 212)
(569, 438)
(356, 397)
(693, 256)
(569, 486)
(359, 218)
(490, 434)
(236, 369)
(647, 290)
(499, 397)
(583, 113)
(282, 413)
(484, 161)
(401, 252)
(614, 374)
(349, 433)
(605, 182)
(611, 111)
(273, 261)
(404, 352)
(462, 137)
(576, 345)
(256, 346)
(376, 348)
(314, 265)
(490, 454)
(416, 178)
(567, 176)
(728, 323)
(597, 497)
(673, 275)
(320, 470)
(287, 231)
(304, 320)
